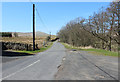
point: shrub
(16, 34)
(48, 38)
(6, 34)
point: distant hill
(30, 34)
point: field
(27, 40)
(22, 39)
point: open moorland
(26, 38)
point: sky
(17, 16)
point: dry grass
(28, 40)
(53, 37)
(73, 47)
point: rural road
(57, 63)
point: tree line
(5, 34)
(8, 34)
(100, 30)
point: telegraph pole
(33, 27)
(50, 35)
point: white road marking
(16, 57)
(20, 70)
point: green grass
(93, 51)
(70, 46)
(36, 51)
(101, 52)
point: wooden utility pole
(33, 27)
(50, 35)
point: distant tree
(5, 34)
(16, 34)
(48, 38)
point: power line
(39, 16)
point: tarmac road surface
(58, 63)
(42, 66)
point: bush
(6, 34)
(16, 34)
(48, 38)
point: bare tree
(101, 30)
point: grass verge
(37, 51)
(93, 51)
(102, 52)
(70, 46)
